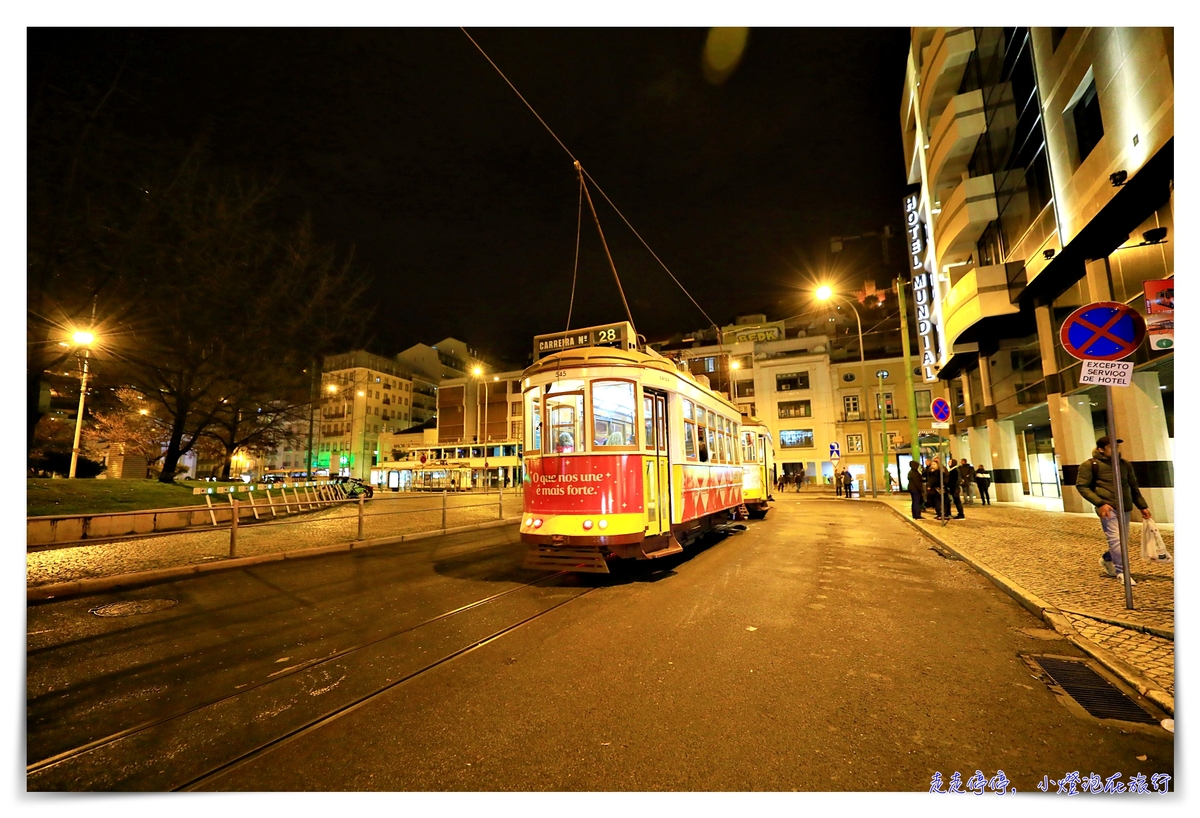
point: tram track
(337, 713)
(49, 764)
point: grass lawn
(46, 496)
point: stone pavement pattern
(1053, 556)
(310, 529)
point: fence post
(443, 509)
(233, 528)
(360, 516)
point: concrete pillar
(1074, 440)
(980, 449)
(1142, 424)
(1006, 465)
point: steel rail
(75, 752)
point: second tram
(626, 455)
(758, 466)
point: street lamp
(735, 366)
(85, 339)
(824, 293)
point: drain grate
(134, 607)
(1091, 690)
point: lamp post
(735, 366)
(824, 293)
(84, 339)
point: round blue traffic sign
(940, 409)
(1103, 331)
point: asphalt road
(826, 648)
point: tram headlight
(587, 525)
(529, 522)
(537, 523)
(604, 524)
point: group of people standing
(937, 487)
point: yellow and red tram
(758, 466)
(626, 455)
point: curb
(84, 587)
(1055, 618)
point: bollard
(361, 498)
(500, 503)
(233, 528)
(443, 509)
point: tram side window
(734, 434)
(533, 424)
(748, 454)
(728, 447)
(689, 431)
(703, 449)
(722, 453)
(648, 420)
(614, 414)
(565, 413)
(712, 435)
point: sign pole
(1122, 528)
(1101, 334)
(887, 449)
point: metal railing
(322, 510)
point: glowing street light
(825, 293)
(85, 339)
(734, 365)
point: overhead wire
(583, 172)
(578, 233)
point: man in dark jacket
(916, 489)
(968, 481)
(935, 484)
(1097, 483)
(954, 486)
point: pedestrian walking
(916, 489)
(847, 483)
(935, 488)
(968, 482)
(800, 480)
(837, 482)
(954, 486)
(983, 479)
(1098, 485)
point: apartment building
(362, 396)
(1042, 169)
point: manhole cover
(134, 607)
(1095, 694)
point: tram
(627, 456)
(758, 466)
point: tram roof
(609, 356)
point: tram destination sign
(619, 335)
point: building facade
(1042, 169)
(810, 391)
(362, 396)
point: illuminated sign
(923, 301)
(756, 333)
(916, 237)
(618, 335)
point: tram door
(656, 480)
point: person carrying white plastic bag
(1153, 547)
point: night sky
(461, 207)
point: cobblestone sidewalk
(1053, 555)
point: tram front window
(533, 421)
(566, 423)
(614, 414)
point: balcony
(956, 132)
(943, 62)
(969, 209)
(979, 294)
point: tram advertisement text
(603, 484)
